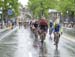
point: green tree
(0, 3)
(66, 7)
(9, 4)
(40, 7)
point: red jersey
(43, 22)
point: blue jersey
(57, 28)
(51, 24)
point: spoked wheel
(36, 35)
(56, 44)
(56, 40)
(42, 39)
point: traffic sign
(0, 12)
(10, 12)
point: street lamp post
(1, 17)
(0, 13)
(67, 16)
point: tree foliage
(10, 4)
(40, 7)
(66, 7)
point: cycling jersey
(57, 28)
(51, 27)
(51, 24)
(43, 22)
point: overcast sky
(23, 2)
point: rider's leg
(58, 36)
(57, 40)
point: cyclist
(51, 28)
(34, 29)
(32, 25)
(57, 27)
(35, 24)
(43, 25)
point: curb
(2, 30)
(8, 33)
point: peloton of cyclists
(42, 26)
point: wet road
(21, 43)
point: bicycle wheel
(57, 40)
(42, 39)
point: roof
(52, 10)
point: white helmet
(43, 17)
(51, 21)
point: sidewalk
(68, 37)
(4, 29)
(69, 34)
(9, 33)
(73, 29)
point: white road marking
(30, 54)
